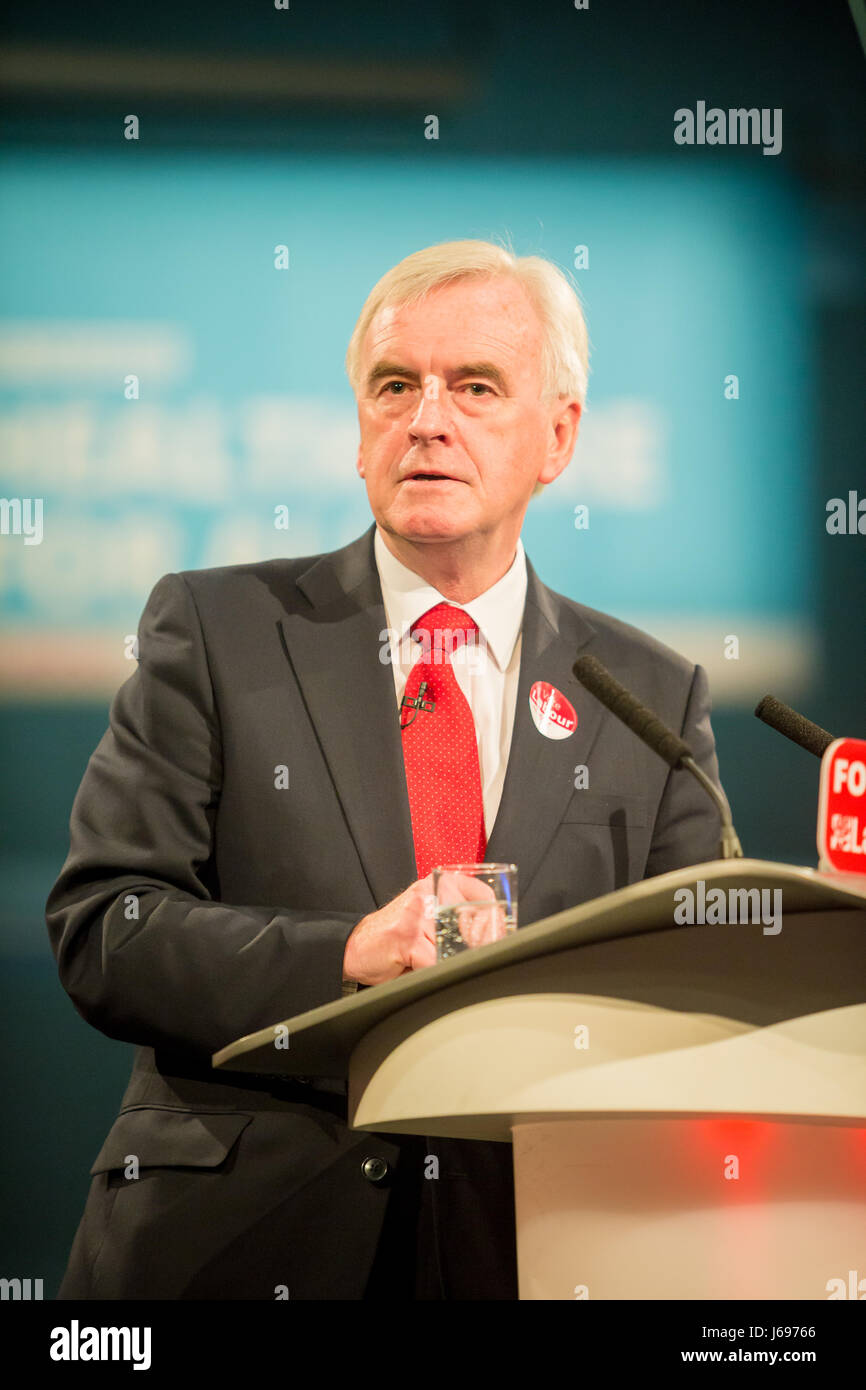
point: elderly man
(254, 835)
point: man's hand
(398, 938)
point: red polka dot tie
(440, 751)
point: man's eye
(478, 386)
(395, 383)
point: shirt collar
(498, 612)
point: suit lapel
(334, 650)
(539, 781)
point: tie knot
(444, 618)
(442, 632)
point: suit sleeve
(144, 947)
(688, 825)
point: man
(254, 834)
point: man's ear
(359, 463)
(562, 438)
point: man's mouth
(430, 478)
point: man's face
(454, 432)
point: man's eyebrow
(487, 369)
(387, 369)
(382, 370)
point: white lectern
(687, 1102)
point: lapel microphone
(417, 702)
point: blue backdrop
(163, 267)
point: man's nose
(432, 419)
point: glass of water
(473, 904)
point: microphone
(657, 736)
(799, 730)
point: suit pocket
(160, 1136)
(606, 808)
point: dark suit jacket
(200, 902)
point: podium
(686, 1098)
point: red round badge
(552, 714)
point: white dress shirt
(487, 674)
(488, 678)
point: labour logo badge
(552, 714)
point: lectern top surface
(321, 1041)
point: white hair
(565, 349)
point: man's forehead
(495, 315)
